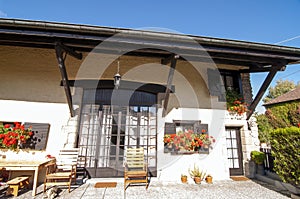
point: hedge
(285, 144)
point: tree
(264, 128)
(281, 87)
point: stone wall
(247, 89)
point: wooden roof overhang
(244, 57)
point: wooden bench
(16, 183)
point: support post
(263, 88)
(173, 61)
(59, 49)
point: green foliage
(235, 102)
(278, 115)
(281, 87)
(286, 151)
(284, 114)
(197, 172)
(264, 127)
(258, 157)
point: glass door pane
(234, 148)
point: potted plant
(183, 178)
(258, 157)
(197, 174)
(235, 103)
(208, 179)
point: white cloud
(3, 14)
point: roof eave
(108, 31)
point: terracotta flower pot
(197, 180)
(208, 179)
(184, 179)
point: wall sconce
(117, 78)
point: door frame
(240, 170)
(138, 101)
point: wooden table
(25, 165)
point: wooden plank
(17, 180)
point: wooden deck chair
(63, 171)
(135, 170)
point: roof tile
(289, 96)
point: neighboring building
(284, 110)
(169, 82)
(291, 96)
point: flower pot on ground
(208, 179)
(197, 174)
(260, 169)
(258, 157)
(197, 180)
(252, 169)
(184, 178)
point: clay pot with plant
(258, 157)
(208, 179)
(197, 174)
(183, 178)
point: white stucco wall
(56, 114)
(170, 167)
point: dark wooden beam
(263, 88)
(169, 83)
(69, 51)
(167, 60)
(59, 49)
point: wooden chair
(63, 171)
(136, 170)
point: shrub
(285, 144)
(258, 157)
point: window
(229, 80)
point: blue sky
(268, 21)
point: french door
(234, 151)
(106, 131)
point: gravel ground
(218, 190)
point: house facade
(61, 79)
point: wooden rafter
(263, 88)
(60, 49)
(173, 60)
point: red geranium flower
(10, 137)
